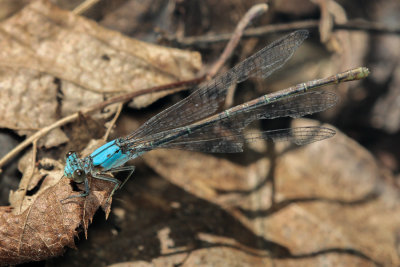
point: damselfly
(191, 125)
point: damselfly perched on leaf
(192, 124)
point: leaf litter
(310, 206)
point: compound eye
(78, 176)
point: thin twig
(113, 121)
(250, 15)
(253, 13)
(84, 6)
(123, 98)
(126, 97)
(353, 25)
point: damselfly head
(74, 167)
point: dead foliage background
(333, 202)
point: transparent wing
(206, 100)
(219, 135)
(234, 143)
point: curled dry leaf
(54, 63)
(41, 222)
(44, 228)
(42, 225)
(328, 205)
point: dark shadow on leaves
(283, 204)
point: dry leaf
(41, 226)
(45, 228)
(323, 204)
(54, 63)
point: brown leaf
(48, 53)
(40, 226)
(42, 230)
